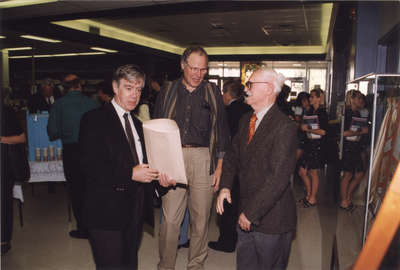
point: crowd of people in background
(209, 119)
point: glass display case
(383, 93)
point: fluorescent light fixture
(103, 49)
(2, 36)
(91, 53)
(18, 49)
(55, 55)
(265, 50)
(119, 34)
(20, 56)
(41, 38)
(20, 3)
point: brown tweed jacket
(264, 168)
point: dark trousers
(6, 207)
(260, 251)
(118, 249)
(75, 181)
(228, 220)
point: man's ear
(115, 87)
(182, 65)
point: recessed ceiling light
(2, 36)
(18, 49)
(19, 3)
(103, 49)
(41, 38)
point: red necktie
(252, 126)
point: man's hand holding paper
(166, 181)
(143, 173)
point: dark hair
(300, 97)
(318, 92)
(105, 87)
(71, 84)
(233, 87)
(193, 49)
(129, 72)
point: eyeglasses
(249, 84)
(196, 70)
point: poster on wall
(387, 153)
(247, 68)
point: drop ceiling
(222, 27)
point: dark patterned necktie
(131, 139)
(252, 127)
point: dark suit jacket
(264, 167)
(112, 198)
(38, 102)
(234, 112)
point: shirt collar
(119, 109)
(263, 112)
(232, 100)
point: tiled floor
(43, 242)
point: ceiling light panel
(103, 49)
(18, 49)
(40, 38)
(56, 55)
(20, 3)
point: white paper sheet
(164, 148)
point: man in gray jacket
(263, 154)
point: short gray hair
(129, 72)
(278, 78)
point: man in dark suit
(235, 109)
(44, 98)
(113, 158)
(263, 154)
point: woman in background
(352, 164)
(314, 124)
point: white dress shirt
(136, 137)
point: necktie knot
(126, 116)
(252, 127)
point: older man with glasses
(196, 106)
(263, 155)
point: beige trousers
(174, 203)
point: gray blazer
(264, 168)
